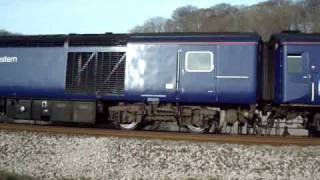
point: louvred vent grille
(111, 73)
(81, 73)
(100, 73)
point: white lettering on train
(8, 59)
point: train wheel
(194, 129)
(130, 126)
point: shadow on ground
(11, 176)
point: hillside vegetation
(264, 18)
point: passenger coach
(292, 81)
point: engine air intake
(110, 73)
(100, 73)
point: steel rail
(175, 136)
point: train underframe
(265, 119)
(197, 119)
(228, 119)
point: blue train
(202, 81)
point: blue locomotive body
(156, 69)
(130, 78)
(162, 68)
(36, 68)
(38, 72)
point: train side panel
(153, 69)
(151, 72)
(237, 73)
(37, 72)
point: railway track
(234, 139)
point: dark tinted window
(295, 64)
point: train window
(199, 61)
(295, 64)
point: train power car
(202, 81)
(57, 78)
(186, 78)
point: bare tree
(312, 13)
(156, 24)
(184, 19)
(266, 18)
(4, 33)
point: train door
(197, 70)
(314, 69)
(298, 81)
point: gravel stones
(81, 157)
